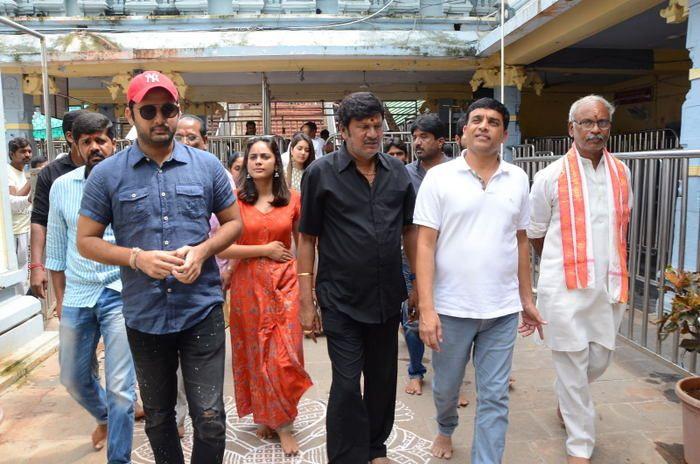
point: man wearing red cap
(158, 196)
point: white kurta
(575, 317)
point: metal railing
(645, 140)
(657, 239)
(655, 139)
(526, 150)
(223, 145)
(62, 146)
(557, 145)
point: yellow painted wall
(546, 115)
(663, 111)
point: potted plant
(684, 318)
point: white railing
(645, 140)
(657, 239)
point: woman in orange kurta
(266, 334)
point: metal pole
(634, 248)
(45, 97)
(651, 229)
(663, 222)
(503, 64)
(8, 22)
(44, 78)
(503, 51)
(265, 105)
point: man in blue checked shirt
(158, 196)
(92, 302)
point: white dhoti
(22, 248)
(582, 323)
(576, 370)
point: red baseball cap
(143, 83)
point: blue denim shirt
(161, 208)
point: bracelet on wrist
(132, 259)
(36, 266)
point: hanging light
(364, 84)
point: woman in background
(235, 164)
(301, 155)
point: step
(21, 362)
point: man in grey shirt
(428, 140)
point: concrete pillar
(512, 102)
(8, 258)
(690, 139)
(20, 316)
(19, 108)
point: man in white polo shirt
(473, 277)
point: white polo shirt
(476, 260)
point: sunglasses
(168, 110)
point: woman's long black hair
(296, 138)
(247, 192)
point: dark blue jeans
(79, 331)
(416, 348)
(201, 351)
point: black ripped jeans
(201, 351)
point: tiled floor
(639, 419)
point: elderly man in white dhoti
(580, 207)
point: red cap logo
(143, 83)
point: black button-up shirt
(44, 181)
(359, 229)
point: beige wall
(546, 115)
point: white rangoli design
(244, 447)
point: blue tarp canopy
(39, 127)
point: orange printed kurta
(266, 335)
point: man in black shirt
(40, 207)
(357, 203)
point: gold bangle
(305, 274)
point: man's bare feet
(463, 402)
(577, 460)
(288, 442)
(139, 413)
(442, 447)
(414, 386)
(99, 437)
(181, 431)
(382, 460)
(264, 432)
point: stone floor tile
(638, 416)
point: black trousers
(201, 351)
(357, 425)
